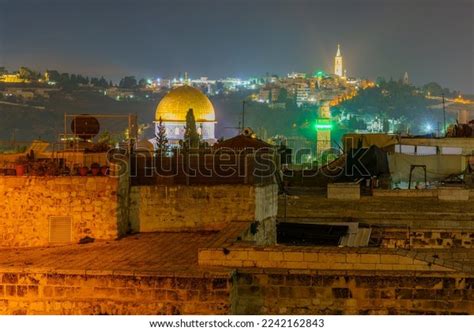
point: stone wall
(426, 238)
(180, 207)
(92, 203)
(318, 258)
(422, 213)
(112, 293)
(453, 193)
(442, 193)
(249, 291)
(405, 193)
(356, 292)
(343, 191)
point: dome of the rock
(175, 105)
(173, 108)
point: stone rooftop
(415, 212)
(163, 253)
(176, 253)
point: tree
(191, 136)
(103, 82)
(161, 138)
(53, 75)
(128, 82)
(142, 82)
(282, 96)
(433, 89)
(26, 73)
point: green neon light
(323, 126)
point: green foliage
(191, 136)
(142, 82)
(128, 82)
(283, 95)
(433, 89)
(161, 138)
(27, 73)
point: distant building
(338, 63)
(11, 78)
(302, 93)
(295, 75)
(119, 93)
(18, 93)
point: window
(451, 150)
(426, 150)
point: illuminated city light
(323, 126)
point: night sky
(432, 40)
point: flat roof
(162, 253)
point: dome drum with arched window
(173, 108)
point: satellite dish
(85, 126)
(248, 132)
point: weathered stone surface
(178, 207)
(453, 194)
(110, 294)
(351, 293)
(343, 191)
(95, 205)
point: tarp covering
(358, 140)
(366, 162)
(438, 167)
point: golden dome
(175, 105)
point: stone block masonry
(276, 292)
(309, 258)
(179, 207)
(426, 238)
(453, 194)
(344, 191)
(106, 293)
(94, 205)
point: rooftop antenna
(243, 115)
(444, 115)
(238, 128)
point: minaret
(323, 128)
(338, 62)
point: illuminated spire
(338, 62)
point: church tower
(338, 62)
(405, 79)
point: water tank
(85, 126)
